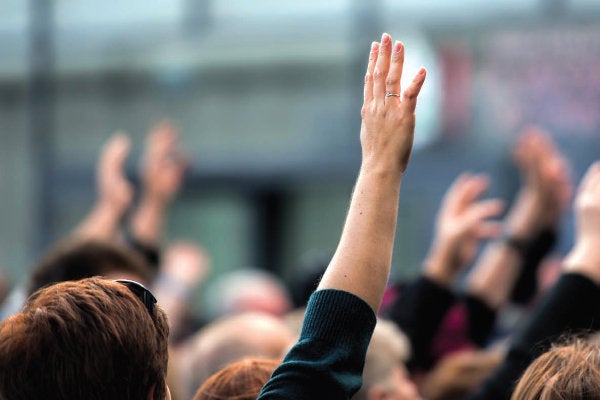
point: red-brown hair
(88, 339)
(241, 380)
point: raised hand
(584, 257)
(184, 266)
(388, 115)
(163, 169)
(462, 222)
(163, 164)
(362, 260)
(186, 263)
(115, 192)
(114, 189)
(544, 194)
(359, 270)
(546, 185)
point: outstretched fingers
(387, 131)
(465, 190)
(368, 90)
(479, 215)
(456, 188)
(161, 141)
(474, 187)
(114, 155)
(113, 186)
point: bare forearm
(495, 274)
(438, 266)
(499, 267)
(101, 223)
(361, 263)
(362, 260)
(147, 222)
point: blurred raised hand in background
(114, 191)
(162, 172)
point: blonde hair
(570, 371)
(389, 348)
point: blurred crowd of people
(108, 312)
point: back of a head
(241, 380)
(228, 340)
(246, 289)
(91, 339)
(74, 259)
(566, 372)
(388, 351)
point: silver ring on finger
(389, 94)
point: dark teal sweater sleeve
(328, 360)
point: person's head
(241, 380)
(570, 371)
(246, 289)
(227, 340)
(384, 375)
(91, 339)
(75, 259)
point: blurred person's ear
(151, 393)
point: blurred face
(398, 387)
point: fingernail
(398, 46)
(422, 71)
(374, 46)
(386, 39)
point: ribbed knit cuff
(349, 318)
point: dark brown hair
(570, 371)
(74, 259)
(241, 380)
(89, 339)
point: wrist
(151, 202)
(440, 265)
(516, 243)
(381, 169)
(107, 210)
(585, 259)
(439, 276)
(522, 221)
